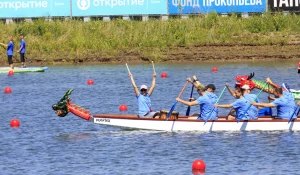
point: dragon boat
(175, 122)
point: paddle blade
(171, 110)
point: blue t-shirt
(288, 95)
(213, 98)
(206, 106)
(243, 111)
(144, 103)
(285, 107)
(23, 45)
(10, 48)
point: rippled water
(47, 144)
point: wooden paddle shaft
(186, 83)
(153, 66)
(127, 68)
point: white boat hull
(197, 125)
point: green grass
(74, 40)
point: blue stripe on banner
(220, 6)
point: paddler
(143, 98)
(285, 107)
(206, 104)
(210, 92)
(246, 93)
(285, 89)
(242, 106)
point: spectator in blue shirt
(285, 107)
(22, 50)
(9, 51)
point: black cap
(211, 86)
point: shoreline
(193, 54)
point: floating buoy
(214, 69)
(10, 73)
(7, 90)
(299, 67)
(123, 107)
(14, 123)
(164, 75)
(90, 82)
(198, 165)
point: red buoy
(14, 123)
(164, 75)
(7, 90)
(90, 82)
(11, 73)
(123, 107)
(214, 69)
(299, 64)
(199, 165)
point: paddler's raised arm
(136, 90)
(153, 84)
(270, 82)
(230, 90)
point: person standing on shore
(9, 51)
(22, 50)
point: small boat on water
(23, 70)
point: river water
(47, 144)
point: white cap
(246, 87)
(144, 87)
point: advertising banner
(34, 8)
(284, 5)
(220, 6)
(118, 7)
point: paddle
(128, 68)
(239, 119)
(172, 109)
(215, 103)
(153, 66)
(189, 108)
(290, 119)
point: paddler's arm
(153, 84)
(230, 90)
(223, 106)
(270, 82)
(264, 105)
(136, 90)
(192, 103)
(194, 83)
(271, 98)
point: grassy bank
(73, 41)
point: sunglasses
(143, 90)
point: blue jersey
(213, 98)
(253, 110)
(243, 109)
(206, 106)
(144, 103)
(285, 107)
(23, 45)
(10, 48)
